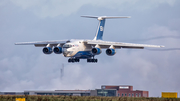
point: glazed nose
(65, 52)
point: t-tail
(102, 19)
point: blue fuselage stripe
(83, 54)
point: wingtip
(17, 43)
(162, 46)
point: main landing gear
(92, 60)
(73, 60)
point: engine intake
(47, 50)
(96, 51)
(57, 50)
(110, 51)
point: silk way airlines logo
(101, 28)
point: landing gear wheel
(92, 60)
(77, 60)
(88, 60)
(73, 60)
(69, 60)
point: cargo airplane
(86, 49)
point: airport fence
(80, 98)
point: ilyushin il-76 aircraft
(86, 49)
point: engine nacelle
(110, 51)
(57, 50)
(47, 50)
(96, 51)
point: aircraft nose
(65, 52)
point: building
(11, 93)
(124, 90)
(106, 90)
(60, 92)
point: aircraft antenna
(62, 71)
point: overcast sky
(152, 22)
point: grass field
(79, 98)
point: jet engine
(110, 51)
(57, 50)
(96, 51)
(47, 50)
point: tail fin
(99, 33)
(102, 19)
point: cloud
(157, 30)
(143, 69)
(54, 8)
(27, 68)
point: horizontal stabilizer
(105, 17)
(99, 33)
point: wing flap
(40, 45)
(43, 43)
(107, 44)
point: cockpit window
(67, 46)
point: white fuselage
(86, 49)
(77, 49)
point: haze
(27, 68)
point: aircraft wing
(107, 44)
(43, 43)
